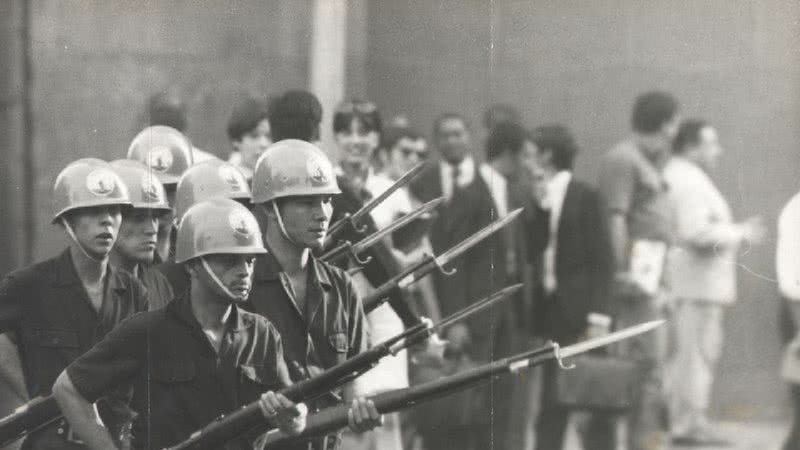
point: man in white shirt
(787, 266)
(701, 268)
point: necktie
(456, 172)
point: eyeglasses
(407, 152)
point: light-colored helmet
(144, 189)
(217, 226)
(209, 179)
(166, 151)
(290, 168)
(87, 183)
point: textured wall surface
(96, 62)
(582, 62)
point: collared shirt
(632, 184)
(787, 263)
(180, 383)
(330, 329)
(496, 182)
(396, 205)
(556, 190)
(46, 305)
(159, 289)
(702, 264)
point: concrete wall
(96, 62)
(581, 62)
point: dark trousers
(793, 440)
(553, 418)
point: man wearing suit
(570, 247)
(476, 195)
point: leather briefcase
(598, 383)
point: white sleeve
(787, 254)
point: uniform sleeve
(617, 183)
(112, 361)
(10, 305)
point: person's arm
(697, 229)
(81, 414)
(111, 362)
(10, 305)
(601, 267)
(787, 264)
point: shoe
(702, 438)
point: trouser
(648, 420)
(474, 437)
(697, 327)
(793, 440)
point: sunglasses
(407, 152)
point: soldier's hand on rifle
(283, 413)
(363, 415)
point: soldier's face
(235, 272)
(306, 218)
(138, 235)
(96, 228)
(253, 144)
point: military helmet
(166, 151)
(86, 183)
(292, 167)
(217, 226)
(209, 179)
(144, 189)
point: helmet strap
(281, 225)
(74, 237)
(218, 283)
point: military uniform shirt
(180, 383)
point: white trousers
(698, 335)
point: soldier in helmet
(135, 248)
(199, 357)
(313, 305)
(205, 180)
(167, 153)
(58, 308)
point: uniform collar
(65, 274)
(181, 308)
(268, 269)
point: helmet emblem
(159, 158)
(101, 182)
(151, 190)
(233, 177)
(316, 171)
(241, 223)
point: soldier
(313, 305)
(199, 357)
(168, 153)
(135, 248)
(203, 181)
(60, 307)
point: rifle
(355, 249)
(250, 416)
(335, 418)
(417, 271)
(354, 219)
(37, 413)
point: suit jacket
(583, 264)
(480, 270)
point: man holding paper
(641, 227)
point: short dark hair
(393, 135)
(167, 108)
(364, 111)
(246, 117)
(688, 135)
(505, 137)
(559, 140)
(652, 110)
(295, 115)
(500, 113)
(444, 117)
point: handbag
(599, 383)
